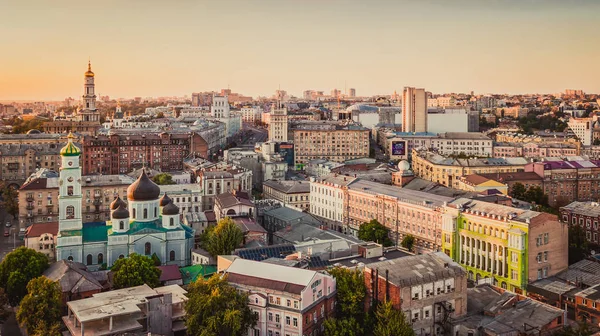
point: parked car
(6, 233)
(8, 224)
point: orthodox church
(144, 224)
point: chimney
(387, 285)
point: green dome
(70, 149)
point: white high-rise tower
(414, 110)
(89, 111)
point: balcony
(29, 206)
(29, 198)
(49, 205)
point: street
(258, 135)
(7, 244)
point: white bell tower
(70, 196)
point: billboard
(398, 147)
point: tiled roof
(169, 272)
(37, 229)
(265, 282)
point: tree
(135, 270)
(41, 306)
(407, 242)
(351, 292)
(156, 260)
(518, 191)
(163, 179)
(579, 247)
(216, 308)
(374, 231)
(346, 326)
(582, 329)
(17, 268)
(224, 238)
(391, 322)
(10, 201)
(536, 194)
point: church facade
(144, 224)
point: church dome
(70, 149)
(89, 73)
(403, 165)
(121, 212)
(143, 189)
(116, 203)
(165, 200)
(170, 209)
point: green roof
(95, 232)
(190, 274)
(70, 150)
(70, 233)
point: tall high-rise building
(414, 110)
(278, 126)
(352, 92)
(220, 106)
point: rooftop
(483, 162)
(289, 187)
(587, 208)
(402, 194)
(490, 210)
(190, 274)
(413, 270)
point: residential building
(328, 201)
(514, 112)
(527, 179)
(41, 237)
(506, 246)
(291, 193)
(157, 311)
(446, 171)
(278, 124)
(38, 197)
(414, 110)
(320, 167)
(583, 129)
(429, 289)
(329, 141)
(220, 106)
(452, 120)
(280, 218)
(187, 197)
(251, 114)
(399, 146)
(404, 212)
(587, 304)
(479, 183)
(534, 150)
(75, 281)
(584, 214)
(221, 179)
(442, 102)
(122, 153)
(287, 300)
(233, 203)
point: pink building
(533, 150)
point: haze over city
(159, 48)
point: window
(70, 258)
(289, 303)
(89, 259)
(171, 222)
(145, 213)
(276, 318)
(278, 301)
(584, 302)
(546, 256)
(172, 256)
(288, 320)
(295, 304)
(121, 256)
(148, 248)
(100, 258)
(70, 190)
(295, 322)
(271, 317)
(134, 213)
(121, 225)
(155, 212)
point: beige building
(41, 237)
(446, 171)
(329, 141)
(221, 179)
(278, 124)
(414, 110)
(291, 193)
(38, 197)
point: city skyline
(253, 47)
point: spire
(89, 72)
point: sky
(162, 48)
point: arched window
(148, 249)
(155, 212)
(70, 212)
(121, 256)
(70, 258)
(100, 258)
(171, 221)
(89, 259)
(121, 225)
(172, 256)
(145, 213)
(134, 213)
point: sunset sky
(158, 48)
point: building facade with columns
(144, 224)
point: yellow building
(478, 183)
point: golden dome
(89, 73)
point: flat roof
(272, 272)
(413, 196)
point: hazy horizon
(160, 48)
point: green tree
(346, 326)
(135, 270)
(407, 242)
(374, 231)
(156, 260)
(518, 191)
(224, 238)
(391, 322)
(579, 247)
(582, 329)
(10, 201)
(45, 329)
(536, 194)
(17, 268)
(351, 292)
(215, 308)
(41, 306)
(163, 179)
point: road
(7, 244)
(255, 135)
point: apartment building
(38, 197)
(434, 167)
(278, 124)
(221, 179)
(66, 126)
(291, 193)
(534, 150)
(400, 145)
(584, 214)
(568, 181)
(429, 289)
(414, 110)
(587, 305)
(514, 112)
(287, 300)
(328, 200)
(506, 246)
(122, 153)
(583, 129)
(403, 211)
(251, 114)
(187, 197)
(329, 141)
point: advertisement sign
(398, 147)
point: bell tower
(70, 195)
(89, 111)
